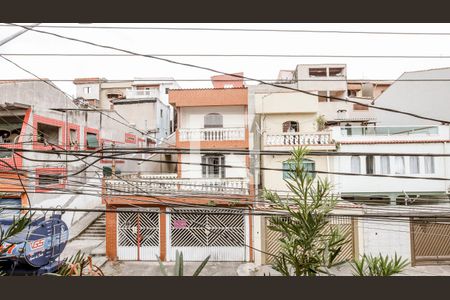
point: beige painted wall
(273, 124)
(273, 180)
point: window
(414, 166)
(87, 90)
(336, 71)
(370, 168)
(351, 93)
(73, 137)
(309, 166)
(317, 72)
(290, 126)
(48, 134)
(48, 179)
(399, 165)
(213, 120)
(213, 166)
(167, 90)
(10, 202)
(367, 90)
(429, 164)
(161, 113)
(91, 140)
(355, 164)
(323, 96)
(385, 165)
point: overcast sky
(211, 42)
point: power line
(350, 81)
(231, 55)
(233, 75)
(237, 29)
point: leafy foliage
(78, 265)
(179, 265)
(309, 245)
(380, 265)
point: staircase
(95, 231)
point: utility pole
(11, 37)
(113, 165)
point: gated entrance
(198, 233)
(345, 225)
(138, 235)
(430, 241)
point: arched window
(290, 126)
(213, 120)
(309, 166)
(356, 164)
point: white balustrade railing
(152, 93)
(143, 186)
(212, 134)
(296, 138)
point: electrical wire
(233, 75)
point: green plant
(380, 265)
(308, 244)
(78, 265)
(321, 122)
(179, 265)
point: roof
(208, 97)
(22, 80)
(88, 80)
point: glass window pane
(355, 164)
(385, 165)
(429, 164)
(399, 165)
(414, 164)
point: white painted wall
(193, 117)
(195, 170)
(379, 185)
(385, 237)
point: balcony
(212, 134)
(142, 94)
(166, 184)
(316, 139)
(390, 133)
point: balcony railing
(296, 138)
(143, 186)
(212, 134)
(133, 94)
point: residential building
(424, 93)
(142, 101)
(389, 153)
(183, 212)
(38, 125)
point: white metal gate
(198, 233)
(137, 235)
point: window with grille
(213, 166)
(48, 179)
(309, 166)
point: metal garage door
(431, 241)
(138, 235)
(198, 233)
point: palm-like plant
(380, 265)
(179, 265)
(309, 245)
